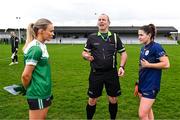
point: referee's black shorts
(109, 78)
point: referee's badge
(147, 52)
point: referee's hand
(90, 58)
(121, 72)
(87, 56)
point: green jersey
(40, 85)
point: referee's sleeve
(120, 45)
(87, 46)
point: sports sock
(90, 110)
(113, 110)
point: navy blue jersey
(149, 78)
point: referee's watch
(121, 66)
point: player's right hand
(136, 90)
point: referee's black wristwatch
(121, 66)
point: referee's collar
(99, 33)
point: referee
(14, 48)
(100, 50)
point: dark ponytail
(150, 29)
(154, 31)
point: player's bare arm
(163, 64)
(26, 75)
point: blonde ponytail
(32, 30)
(30, 35)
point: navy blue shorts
(149, 94)
(37, 104)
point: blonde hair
(32, 30)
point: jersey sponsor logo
(146, 52)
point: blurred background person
(14, 40)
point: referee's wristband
(121, 66)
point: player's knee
(142, 115)
(113, 100)
(92, 101)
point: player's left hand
(20, 89)
(144, 63)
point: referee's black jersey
(14, 43)
(103, 50)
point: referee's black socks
(90, 110)
(113, 110)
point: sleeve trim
(87, 49)
(31, 62)
(122, 50)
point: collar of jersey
(109, 34)
(149, 45)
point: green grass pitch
(70, 81)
